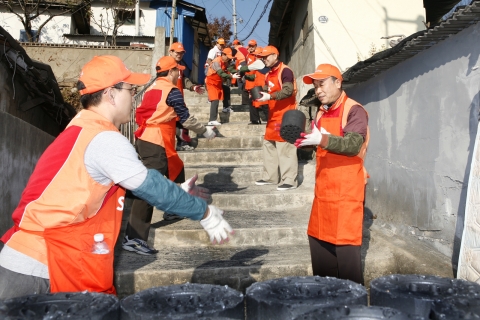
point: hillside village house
(139, 19)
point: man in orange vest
(220, 70)
(254, 78)
(156, 117)
(176, 52)
(340, 133)
(277, 153)
(77, 190)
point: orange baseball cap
(177, 47)
(105, 71)
(166, 63)
(236, 41)
(228, 53)
(257, 50)
(221, 41)
(268, 50)
(252, 43)
(323, 71)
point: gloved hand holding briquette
(216, 226)
(311, 139)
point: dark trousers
(340, 261)
(13, 284)
(246, 97)
(213, 110)
(153, 157)
(255, 113)
(226, 95)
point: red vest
(157, 123)
(61, 209)
(276, 108)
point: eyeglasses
(133, 90)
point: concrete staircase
(270, 226)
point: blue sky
(245, 11)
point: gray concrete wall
(67, 63)
(423, 121)
(21, 144)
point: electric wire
(246, 24)
(260, 18)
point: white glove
(323, 131)
(209, 134)
(194, 190)
(265, 97)
(257, 65)
(310, 139)
(216, 226)
(206, 65)
(236, 76)
(198, 89)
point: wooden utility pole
(172, 23)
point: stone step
(230, 142)
(203, 98)
(205, 108)
(222, 157)
(236, 267)
(224, 117)
(258, 198)
(223, 175)
(237, 129)
(251, 228)
(383, 253)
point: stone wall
(423, 116)
(67, 62)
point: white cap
(98, 237)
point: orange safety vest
(180, 81)
(337, 210)
(157, 123)
(214, 82)
(62, 208)
(276, 108)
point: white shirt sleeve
(110, 157)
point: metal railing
(128, 129)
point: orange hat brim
(138, 79)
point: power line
(246, 24)
(260, 18)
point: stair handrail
(128, 129)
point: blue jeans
(13, 284)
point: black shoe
(262, 183)
(255, 122)
(285, 186)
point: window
(126, 16)
(24, 37)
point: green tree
(27, 11)
(220, 28)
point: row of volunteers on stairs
(77, 188)
(78, 185)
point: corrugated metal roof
(463, 18)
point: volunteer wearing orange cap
(277, 153)
(176, 52)
(156, 117)
(340, 133)
(240, 57)
(254, 78)
(216, 51)
(77, 190)
(217, 73)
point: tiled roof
(463, 18)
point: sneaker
(227, 110)
(285, 186)
(214, 123)
(255, 122)
(171, 216)
(138, 246)
(262, 183)
(185, 147)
